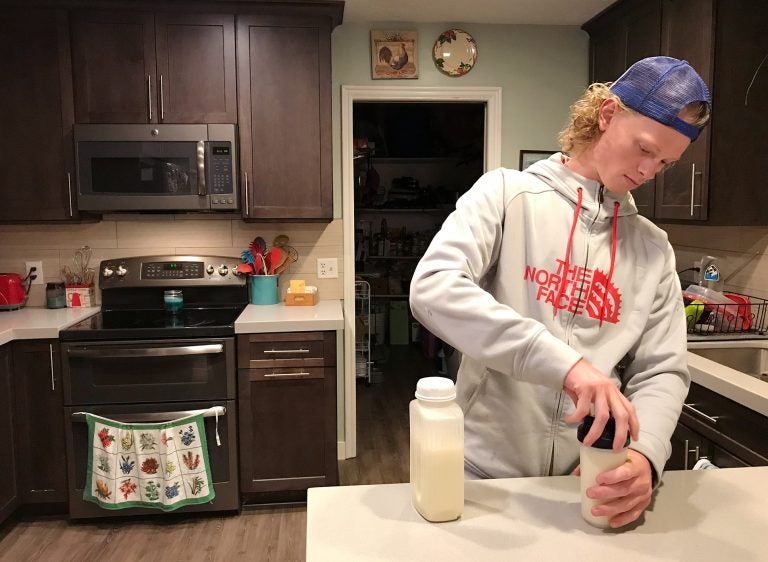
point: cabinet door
(8, 489)
(687, 33)
(36, 151)
(114, 67)
(287, 419)
(284, 83)
(39, 422)
(196, 68)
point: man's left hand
(626, 490)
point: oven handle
(154, 417)
(148, 352)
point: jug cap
(605, 441)
(435, 389)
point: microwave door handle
(148, 352)
(201, 190)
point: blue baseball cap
(660, 88)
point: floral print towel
(162, 465)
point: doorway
(371, 100)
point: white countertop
(744, 389)
(257, 318)
(30, 323)
(701, 516)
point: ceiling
(537, 12)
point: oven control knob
(223, 270)
(121, 271)
(210, 269)
(108, 271)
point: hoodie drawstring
(614, 230)
(567, 260)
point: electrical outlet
(327, 268)
(38, 265)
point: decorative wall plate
(455, 52)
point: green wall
(541, 70)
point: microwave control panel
(220, 175)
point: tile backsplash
(140, 235)
(742, 253)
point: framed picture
(393, 54)
(528, 157)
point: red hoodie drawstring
(567, 260)
(614, 230)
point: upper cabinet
(165, 67)
(37, 168)
(284, 91)
(719, 178)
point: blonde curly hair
(583, 124)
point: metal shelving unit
(363, 361)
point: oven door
(222, 458)
(141, 371)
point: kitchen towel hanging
(160, 465)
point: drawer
(289, 349)
(722, 419)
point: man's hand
(626, 490)
(587, 386)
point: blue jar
(173, 299)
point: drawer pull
(299, 374)
(690, 408)
(286, 351)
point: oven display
(172, 270)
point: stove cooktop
(152, 324)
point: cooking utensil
(81, 261)
(274, 259)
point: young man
(563, 300)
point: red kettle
(12, 292)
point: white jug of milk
(437, 450)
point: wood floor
(260, 534)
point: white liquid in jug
(438, 491)
(593, 462)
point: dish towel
(161, 465)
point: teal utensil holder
(264, 289)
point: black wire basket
(745, 317)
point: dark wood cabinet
(37, 168)
(39, 422)
(714, 427)
(9, 498)
(724, 41)
(165, 67)
(284, 92)
(287, 411)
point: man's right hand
(587, 386)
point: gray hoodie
(532, 272)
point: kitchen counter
(702, 515)
(744, 389)
(30, 323)
(257, 319)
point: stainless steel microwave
(156, 167)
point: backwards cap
(660, 88)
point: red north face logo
(585, 290)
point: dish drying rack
(736, 318)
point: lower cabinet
(39, 422)
(9, 498)
(287, 411)
(715, 428)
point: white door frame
(492, 159)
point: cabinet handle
(693, 182)
(69, 192)
(247, 204)
(286, 351)
(162, 105)
(299, 374)
(691, 408)
(149, 95)
(685, 460)
(53, 380)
